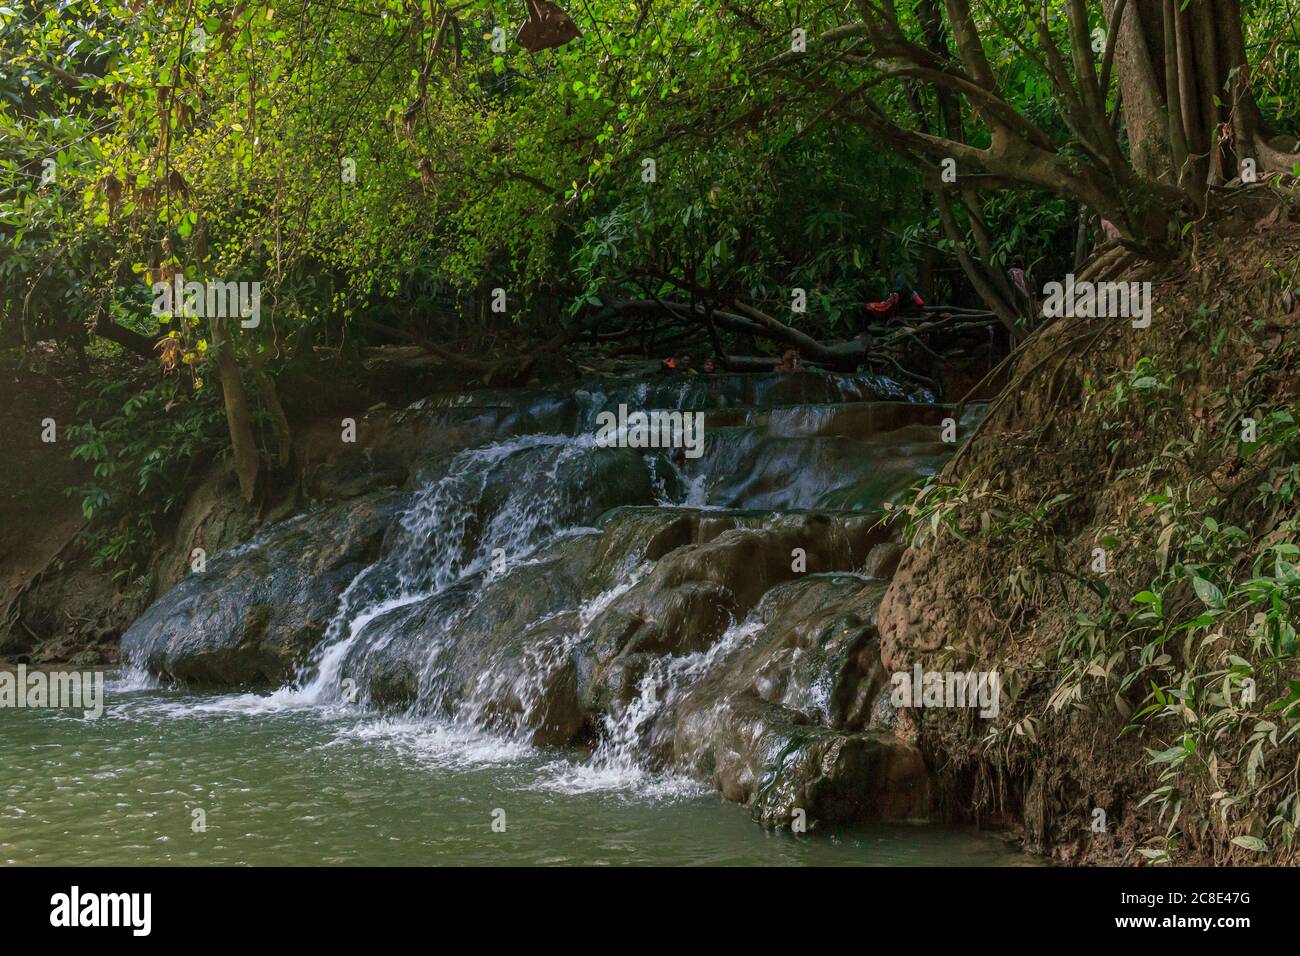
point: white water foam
(437, 744)
(130, 679)
(621, 760)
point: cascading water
(453, 532)
(625, 753)
(484, 612)
(540, 589)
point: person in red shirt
(891, 305)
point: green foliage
(224, 159)
(144, 445)
(1196, 651)
(1204, 655)
(212, 139)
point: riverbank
(1118, 540)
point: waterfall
(451, 532)
(537, 589)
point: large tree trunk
(1190, 114)
(242, 440)
(1139, 66)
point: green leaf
(1207, 592)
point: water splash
(625, 758)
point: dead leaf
(1268, 220)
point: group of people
(892, 304)
(902, 299)
(681, 365)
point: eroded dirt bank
(1119, 542)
